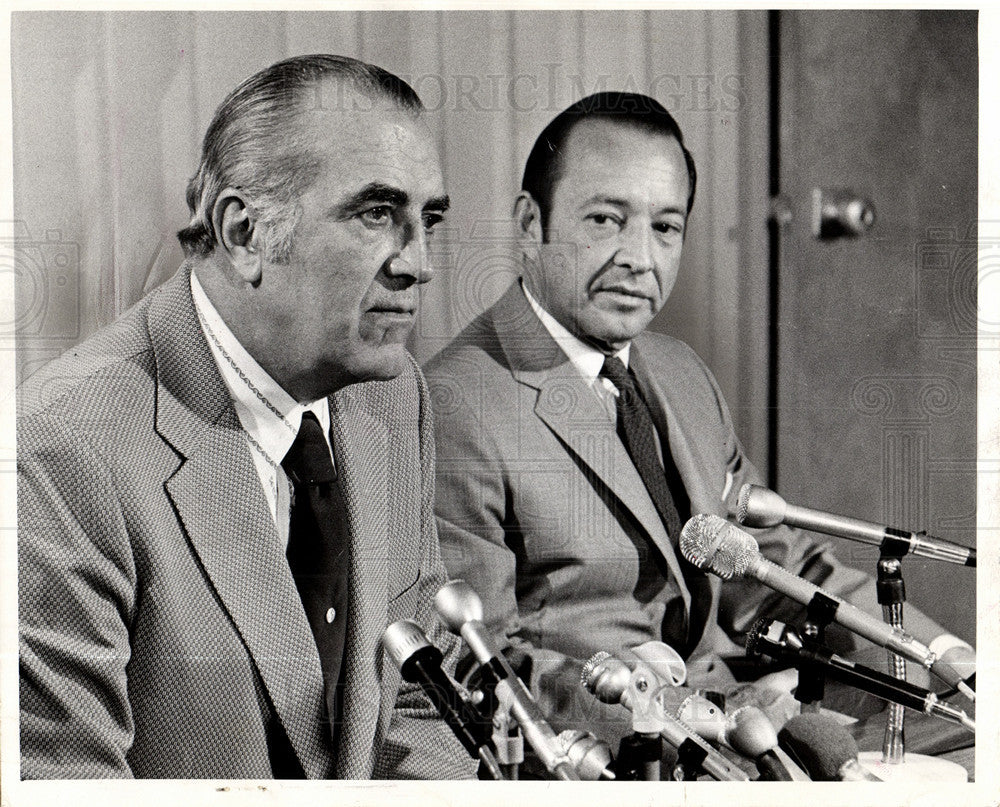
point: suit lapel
(568, 406)
(223, 511)
(360, 444)
(672, 425)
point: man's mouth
(401, 310)
(626, 294)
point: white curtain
(109, 109)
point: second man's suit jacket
(542, 511)
(161, 631)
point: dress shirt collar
(588, 360)
(272, 432)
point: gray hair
(253, 145)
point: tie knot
(617, 373)
(308, 460)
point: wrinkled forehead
(368, 137)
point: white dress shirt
(268, 436)
(587, 359)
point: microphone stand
(639, 754)
(638, 757)
(893, 764)
(891, 596)
(508, 740)
(812, 677)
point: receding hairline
(562, 158)
(350, 96)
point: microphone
(747, 731)
(772, 638)
(420, 663)
(761, 507)
(461, 610)
(713, 544)
(824, 748)
(609, 679)
(752, 735)
(591, 757)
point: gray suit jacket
(541, 510)
(162, 634)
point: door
(875, 386)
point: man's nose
(413, 260)
(635, 251)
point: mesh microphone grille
(754, 636)
(712, 543)
(743, 503)
(592, 664)
(735, 556)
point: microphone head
(703, 717)
(605, 677)
(751, 733)
(402, 639)
(713, 544)
(457, 604)
(819, 745)
(760, 507)
(591, 757)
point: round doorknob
(841, 213)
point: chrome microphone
(420, 663)
(775, 639)
(713, 544)
(590, 756)
(762, 507)
(610, 680)
(747, 731)
(461, 610)
(751, 734)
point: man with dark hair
(226, 496)
(547, 161)
(573, 444)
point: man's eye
(431, 220)
(668, 228)
(604, 219)
(377, 215)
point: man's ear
(236, 233)
(528, 221)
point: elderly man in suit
(573, 444)
(227, 495)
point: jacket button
(331, 614)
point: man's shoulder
(108, 370)
(664, 347)
(664, 354)
(476, 342)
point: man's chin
(615, 331)
(385, 363)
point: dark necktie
(319, 551)
(663, 482)
(636, 429)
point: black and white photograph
(447, 395)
